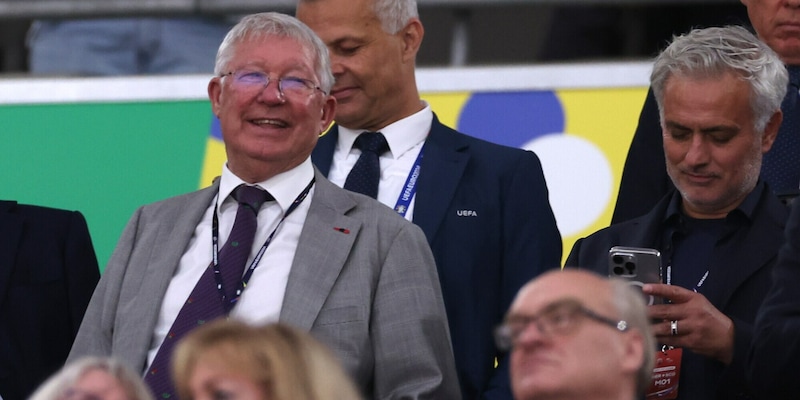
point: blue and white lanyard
(410, 187)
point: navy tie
(781, 165)
(205, 302)
(366, 173)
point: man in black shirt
(644, 179)
(719, 92)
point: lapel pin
(345, 231)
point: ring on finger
(673, 327)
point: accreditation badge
(666, 374)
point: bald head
(585, 286)
(579, 336)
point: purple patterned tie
(205, 302)
(366, 173)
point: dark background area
(513, 32)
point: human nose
(697, 152)
(531, 333)
(337, 66)
(272, 95)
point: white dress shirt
(405, 138)
(262, 299)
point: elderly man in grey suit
(340, 265)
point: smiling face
(712, 150)
(266, 133)
(592, 358)
(374, 70)
(777, 23)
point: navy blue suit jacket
(48, 271)
(775, 357)
(483, 258)
(738, 281)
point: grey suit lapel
(174, 235)
(171, 240)
(325, 243)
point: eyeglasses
(288, 86)
(559, 318)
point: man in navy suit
(483, 207)
(48, 271)
(719, 91)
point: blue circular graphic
(511, 118)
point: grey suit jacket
(363, 281)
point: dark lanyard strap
(229, 304)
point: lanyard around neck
(410, 187)
(696, 287)
(229, 304)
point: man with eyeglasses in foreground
(577, 335)
(297, 249)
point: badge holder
(666, 374)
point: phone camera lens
(618, 259)
(630, 267)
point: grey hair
(263, 25)
(55, 386)
(630, 305)
(712, 52)
(395, 14)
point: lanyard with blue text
(410, 187)
(228, 304)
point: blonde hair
(57, 385)
(286, 363)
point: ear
(771, 131)
(412, 35)
(214, 93)
(328, 111)
(633, 348)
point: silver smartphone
(636, 265)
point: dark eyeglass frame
(238, 74)
(506, 334)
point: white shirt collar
(284, 187)
(401, 135)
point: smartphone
(636, 265)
